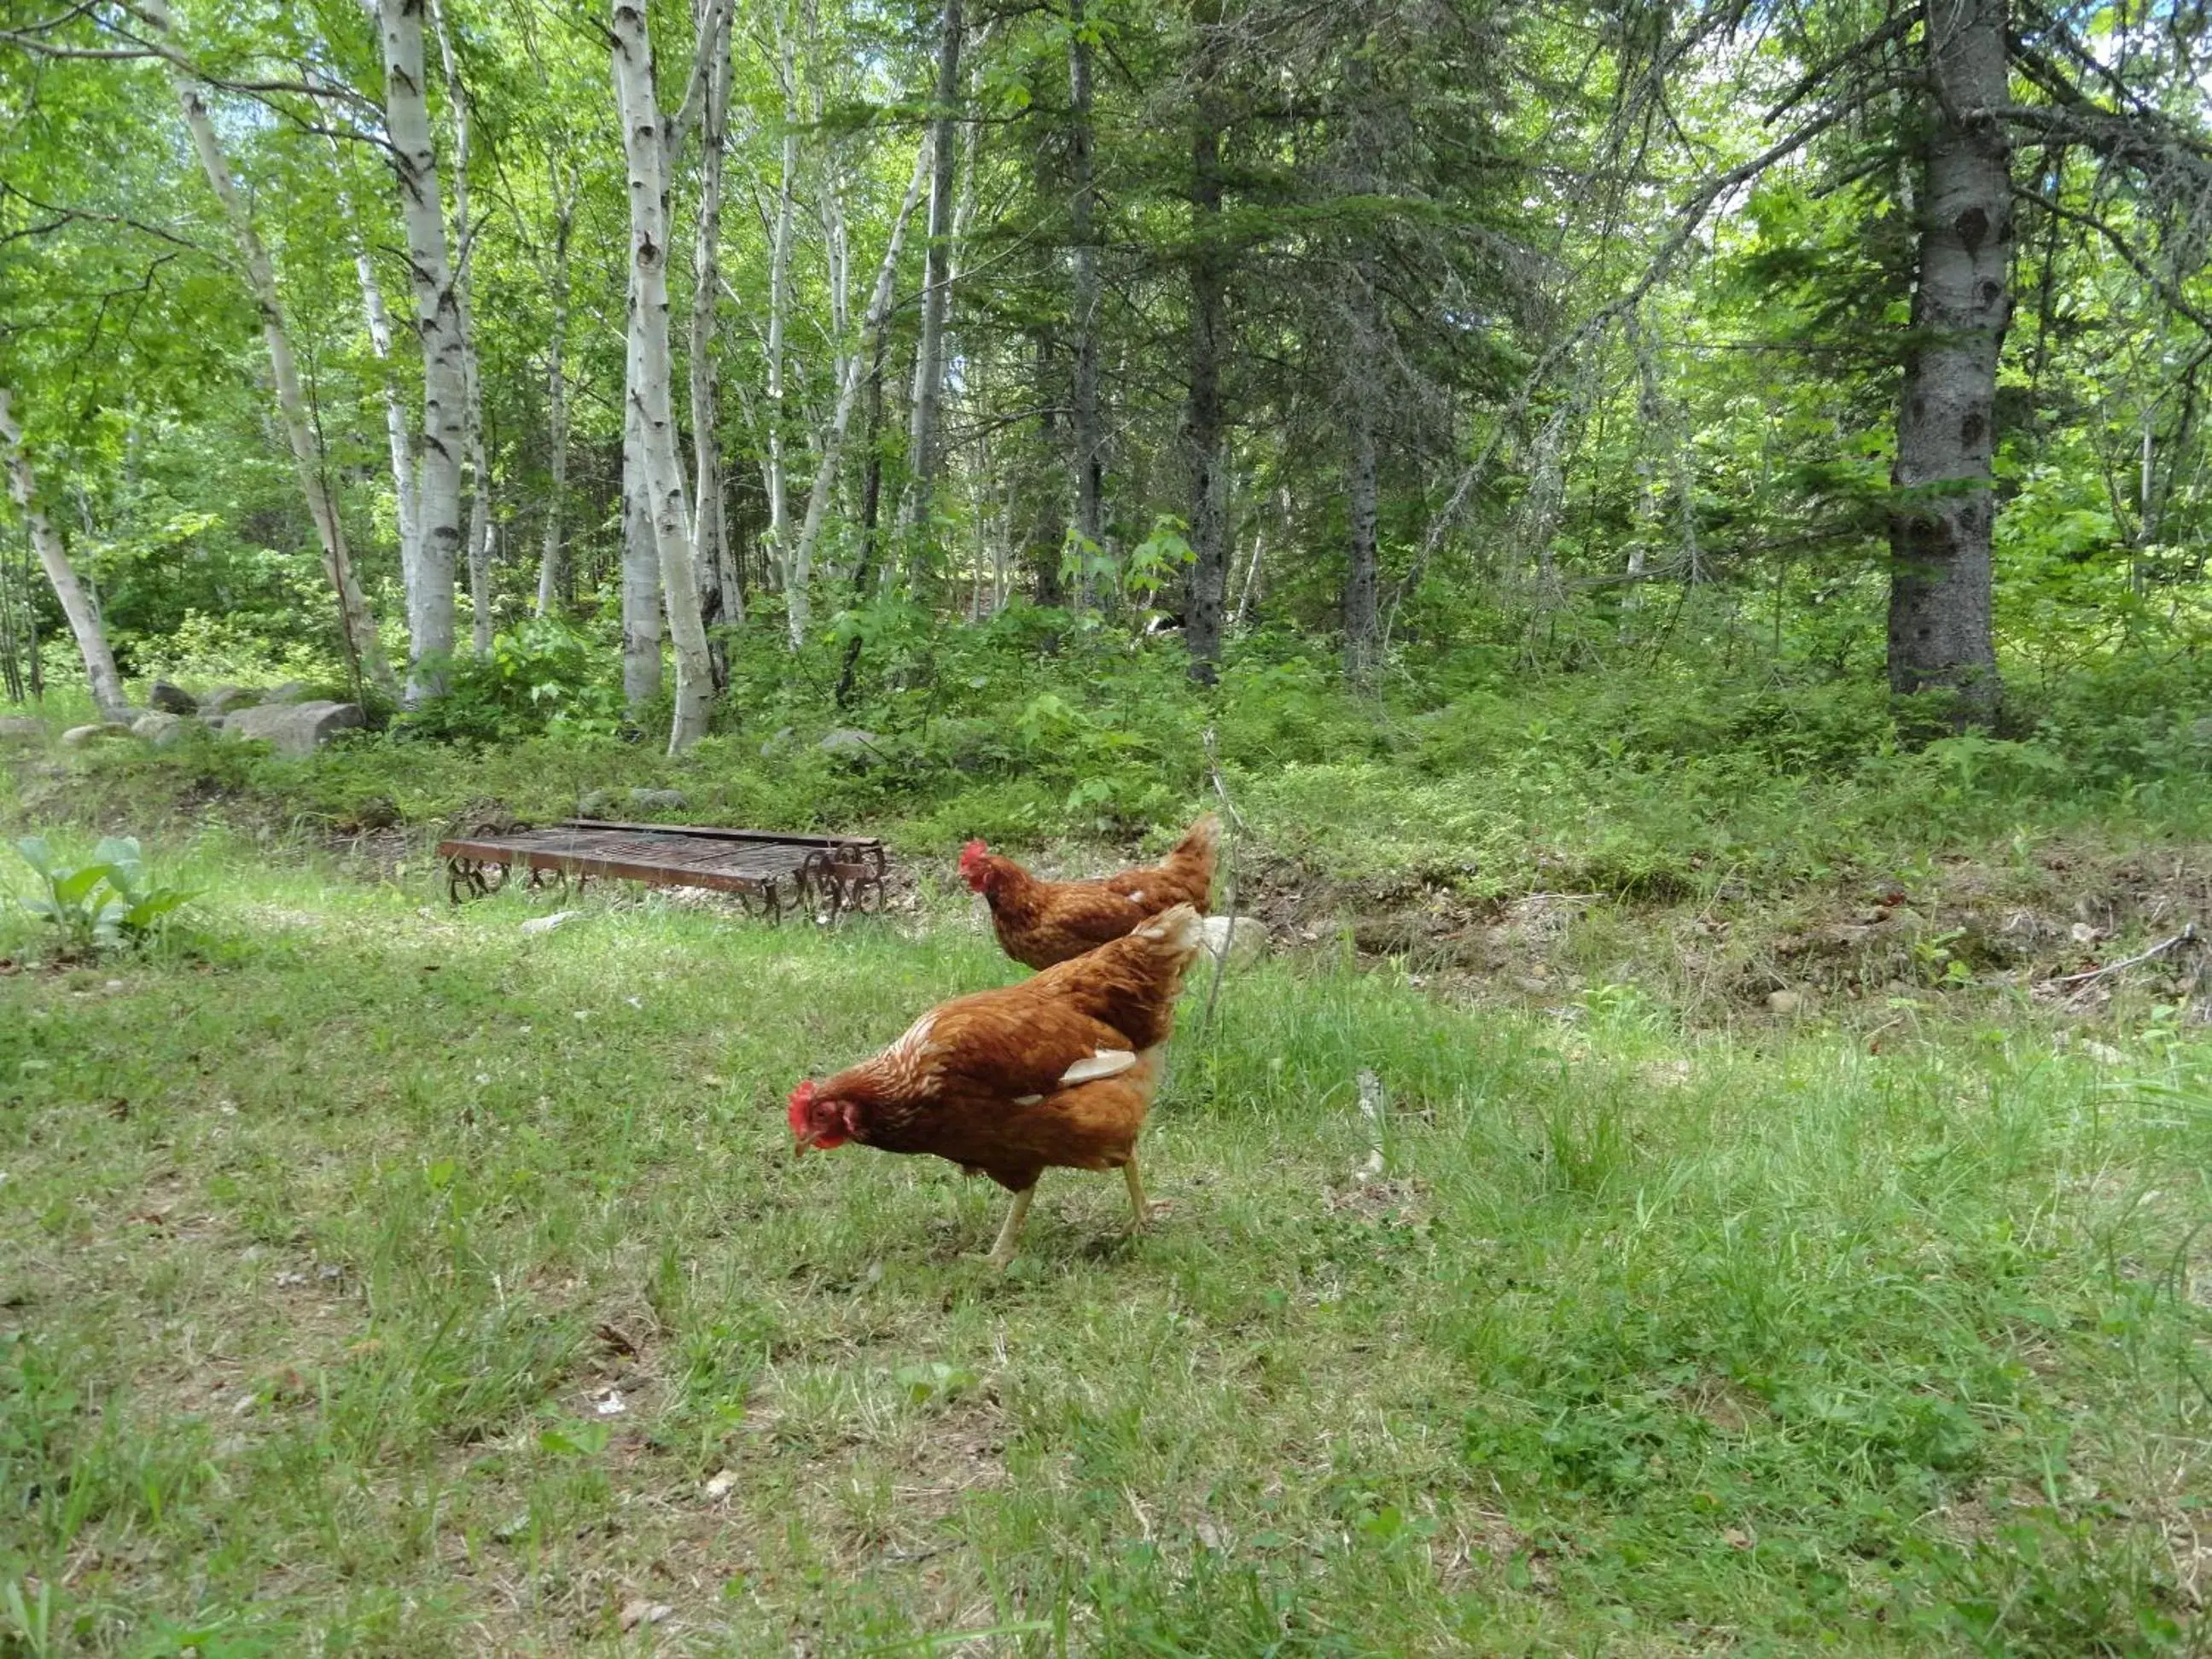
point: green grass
(326, 1229)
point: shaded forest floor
(1745, 1262)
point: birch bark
(438, 320)
(553, 581)
(647, 151)
(716, 579)
(779, 301)
(923, 445)
(798, 569)
(76, 603)
(357, 622)
(479, 539)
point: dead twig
(2186, 936)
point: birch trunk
(76, 603)
(719, 593)
(779, 301)
(798, 569)
(398, 439)
(662, 475)
(553, 580)
(479, 541)
(1207, 591)
(1939, 588)
(438, 320)
(923, 445)
(356, 623)
(640, 596)
(1089, 459)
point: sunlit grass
(332, 1231)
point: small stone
(224, 698)
(1784, 1003)
(169, 699)
(298, 728)
(1238, 938)
(160, 729)
(634, 1613)
(82, 736)
(659, 801)
(776, 744)
(852, 743)
(547, 924)
(596, 805)
(719, 1486)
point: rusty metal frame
(841, 872)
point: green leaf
(37, 854)
(156, 904)
(73, 886)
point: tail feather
(1180, 929)
(1201, 840)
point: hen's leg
(1003, 1251)
(1139, 1214)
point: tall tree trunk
(924, 442)
(778, 303)
(647, 153)
(438, 320)
(1088, 449)
(717, 581)
(398, 438)
(640, 591)
(1360, 618)
(871, 497)
(479, 541)
(1939, 532)
(797, 570)
(553, 577)
(1207, 591)
(357, 625)
(76, 603)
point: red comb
(801, 1098)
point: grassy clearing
(330, 1234)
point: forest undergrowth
(1749, 1252)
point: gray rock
(596, 805)
(82, 736)
(295, 728)
(776, 744)
(160, 729)
(224, 698)
(15, 728)
(852, 743)
(1784, 1003)
(290, 691)
(1237, 938)
(167, 699)
(659, 801)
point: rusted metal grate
(844, 872)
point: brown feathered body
(1040, 923)
(1057, 1072)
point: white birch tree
(364, 651)
(438, 320)
(798, 569)
(647, 148)
(478, 537)
(84, 623)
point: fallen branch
(2186, 936)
